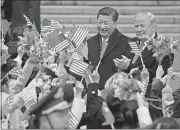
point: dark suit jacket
(7, 6)
(93, 117)
(150, 63)
(117, 46)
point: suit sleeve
(94, 105)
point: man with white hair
(145, 25)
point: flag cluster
(78, 67)
(80, 34)
(50, 28)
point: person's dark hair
(50, 72)
(5, 68)
(164, 123)
(109, 11)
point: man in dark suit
(107, 45)
(145, 24)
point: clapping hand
(122, 63)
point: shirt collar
(104, 38)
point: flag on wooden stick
(136, 51)
(58, 41)
(50, 26)
(29, 23)
(78, 67)
(84, 51)
(135, 48)
(79, 34)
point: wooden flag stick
(142, 61)
(73, 23)
(2, 37)
(90, 78)
(98, 64)
(82, 79)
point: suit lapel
(146, 53)
(95, 47)
(112, 42)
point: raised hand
(144, 74)
(159, 72)
(95, 76)
(79, 89)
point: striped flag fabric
(78, 67)
(58, 41)
(73, 122)
(51, 27)
(29, 96)
(61, 46)
(84, 51)
(29, 23)
(56, 24)
(80, 34)
(135, 48)
(16, 71)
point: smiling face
(105, 25)
(143, 26)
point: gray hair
(149, 15)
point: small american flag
(53, 26)
(61, 46)
(84, 51)
(135, 48)
(29, 96)
(56, 24)
(73, 122)
(58, 41)
(29, 23)
(79, 35)
(78, 67)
